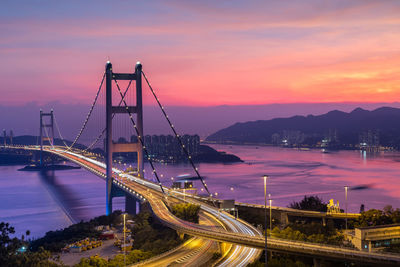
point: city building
(375, 237)
(168, 148)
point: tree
(11, 256)
(8, 245)
(313, 203)
(187, 211)
(375, 217)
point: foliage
(150, 235)
(313, 203)
(150, 238)
(56, 240)
(10, 256)
(187, 211)
(8, 245)
(311, 233)
(375, 217)
(131, 258)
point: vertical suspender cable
(140, 138)
(177, 135)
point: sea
(49, 201)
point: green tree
(8, 245)
(313, 203)
(187, 211)
(10, 256)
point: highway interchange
(248, 241)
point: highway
(245, 234)
(237, 255)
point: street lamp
(346, 188)
(265, 196)
(235, 209)
(270, 214)
(124, 247)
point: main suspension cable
(104, 130)
(89, 113)
(140, 138)
(177, 136)
(59, 132)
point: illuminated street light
(270, 214)
(124, 247)
(346, 188)
(265, 207)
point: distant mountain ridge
(349, 126)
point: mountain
(345, 128)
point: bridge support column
(323, 221)
(316, 262)
(50, 126)
(108, 145)
(131, 204)
(111, 147)
(284, 218)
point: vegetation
(375, 217)
(54, 241)
(313, 203)
(11, 251)
(131, 258)
(187, 211)
(309, 233)
(151, 236)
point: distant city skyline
(24, 119)
(213, 53)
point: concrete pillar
(108, 154)
(130, 204)
(139, 113)
(41, 138)
(284, 218)
(316, 262)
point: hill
(336, 128)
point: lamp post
(346, 188)
(124, 247)
(234, 206)
(270, 214)
(265, 197)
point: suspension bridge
(248, 242)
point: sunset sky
(203, 53)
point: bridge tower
(44, 126)
(5, 137)
(11, 137)
(112, 147)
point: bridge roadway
(236, 255)
(247, 235)
(303, 213)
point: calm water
(53, 200)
